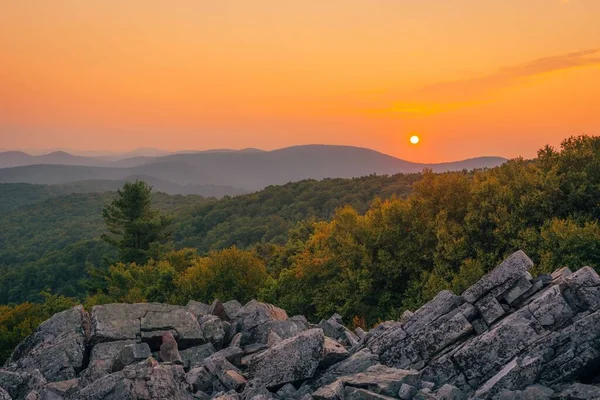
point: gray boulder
(508, 271)
(255, 313)
(148, 380)
(194, 356)
(131, 354)
(57, 348)
(382, 379)
(290, 361)
(4, 395)
(147, 321)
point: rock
(352, 393)
(292, 360)
(147, 321)
(284, 329)
(4, 395)
(232, 308)
(194, 356)
(60, 389)
(333, 391)
(20, 384)
(580, 391)
(231, 354)
(490, 309)
(217, 309)
(551, 309)
(521, 338)
(449, 392)
(382, 379)
(274, 339)
(198, 309)
(509, 270)
(407, 392)
(140, 381)
(168, 350)
(522, 286)
(357, 362)
(360, 333)
(480, 326)
(233, 380)
(213, 330)
(585, 283)
(560, 274)
(57, 348)
(130, 354)
(173, 318)
(200, 379)
(517, 374)
(108, 350)
(288, 391)
(254, 314)
(486, 353)
(333, 353)
(441, 305)
(535, 392)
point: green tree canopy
(137, 230)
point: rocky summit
(509, 336)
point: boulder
(333, 391)
(168, 349)
(357, 362)
(535, 392)
(382, 379)
(333, 353)
(509, 270)
(148, 380)
(255, 313)
(213, 330)
(198, 309)
(57, 348)
(147, 321)
(585, 284)
(232, 308)
(19, 384)
(490, 309)
(131, 354)
(194, 356)
(290, 361)
(580, 391)
(63, 389)
(4, 395)
(352, 393)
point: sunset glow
(195, 74)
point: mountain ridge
(245, 170)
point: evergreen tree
(137, 230)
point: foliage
(316, 248)
(225, 274)
(52, 241)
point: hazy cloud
(451, 95)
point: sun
(415, 139)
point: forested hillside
(367, 260)
(48, 241)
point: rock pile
(509, 336)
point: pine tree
(137, 230)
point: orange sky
(471, 77)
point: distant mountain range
(222, 172)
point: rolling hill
(246, 170)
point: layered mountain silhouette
(239, 171)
